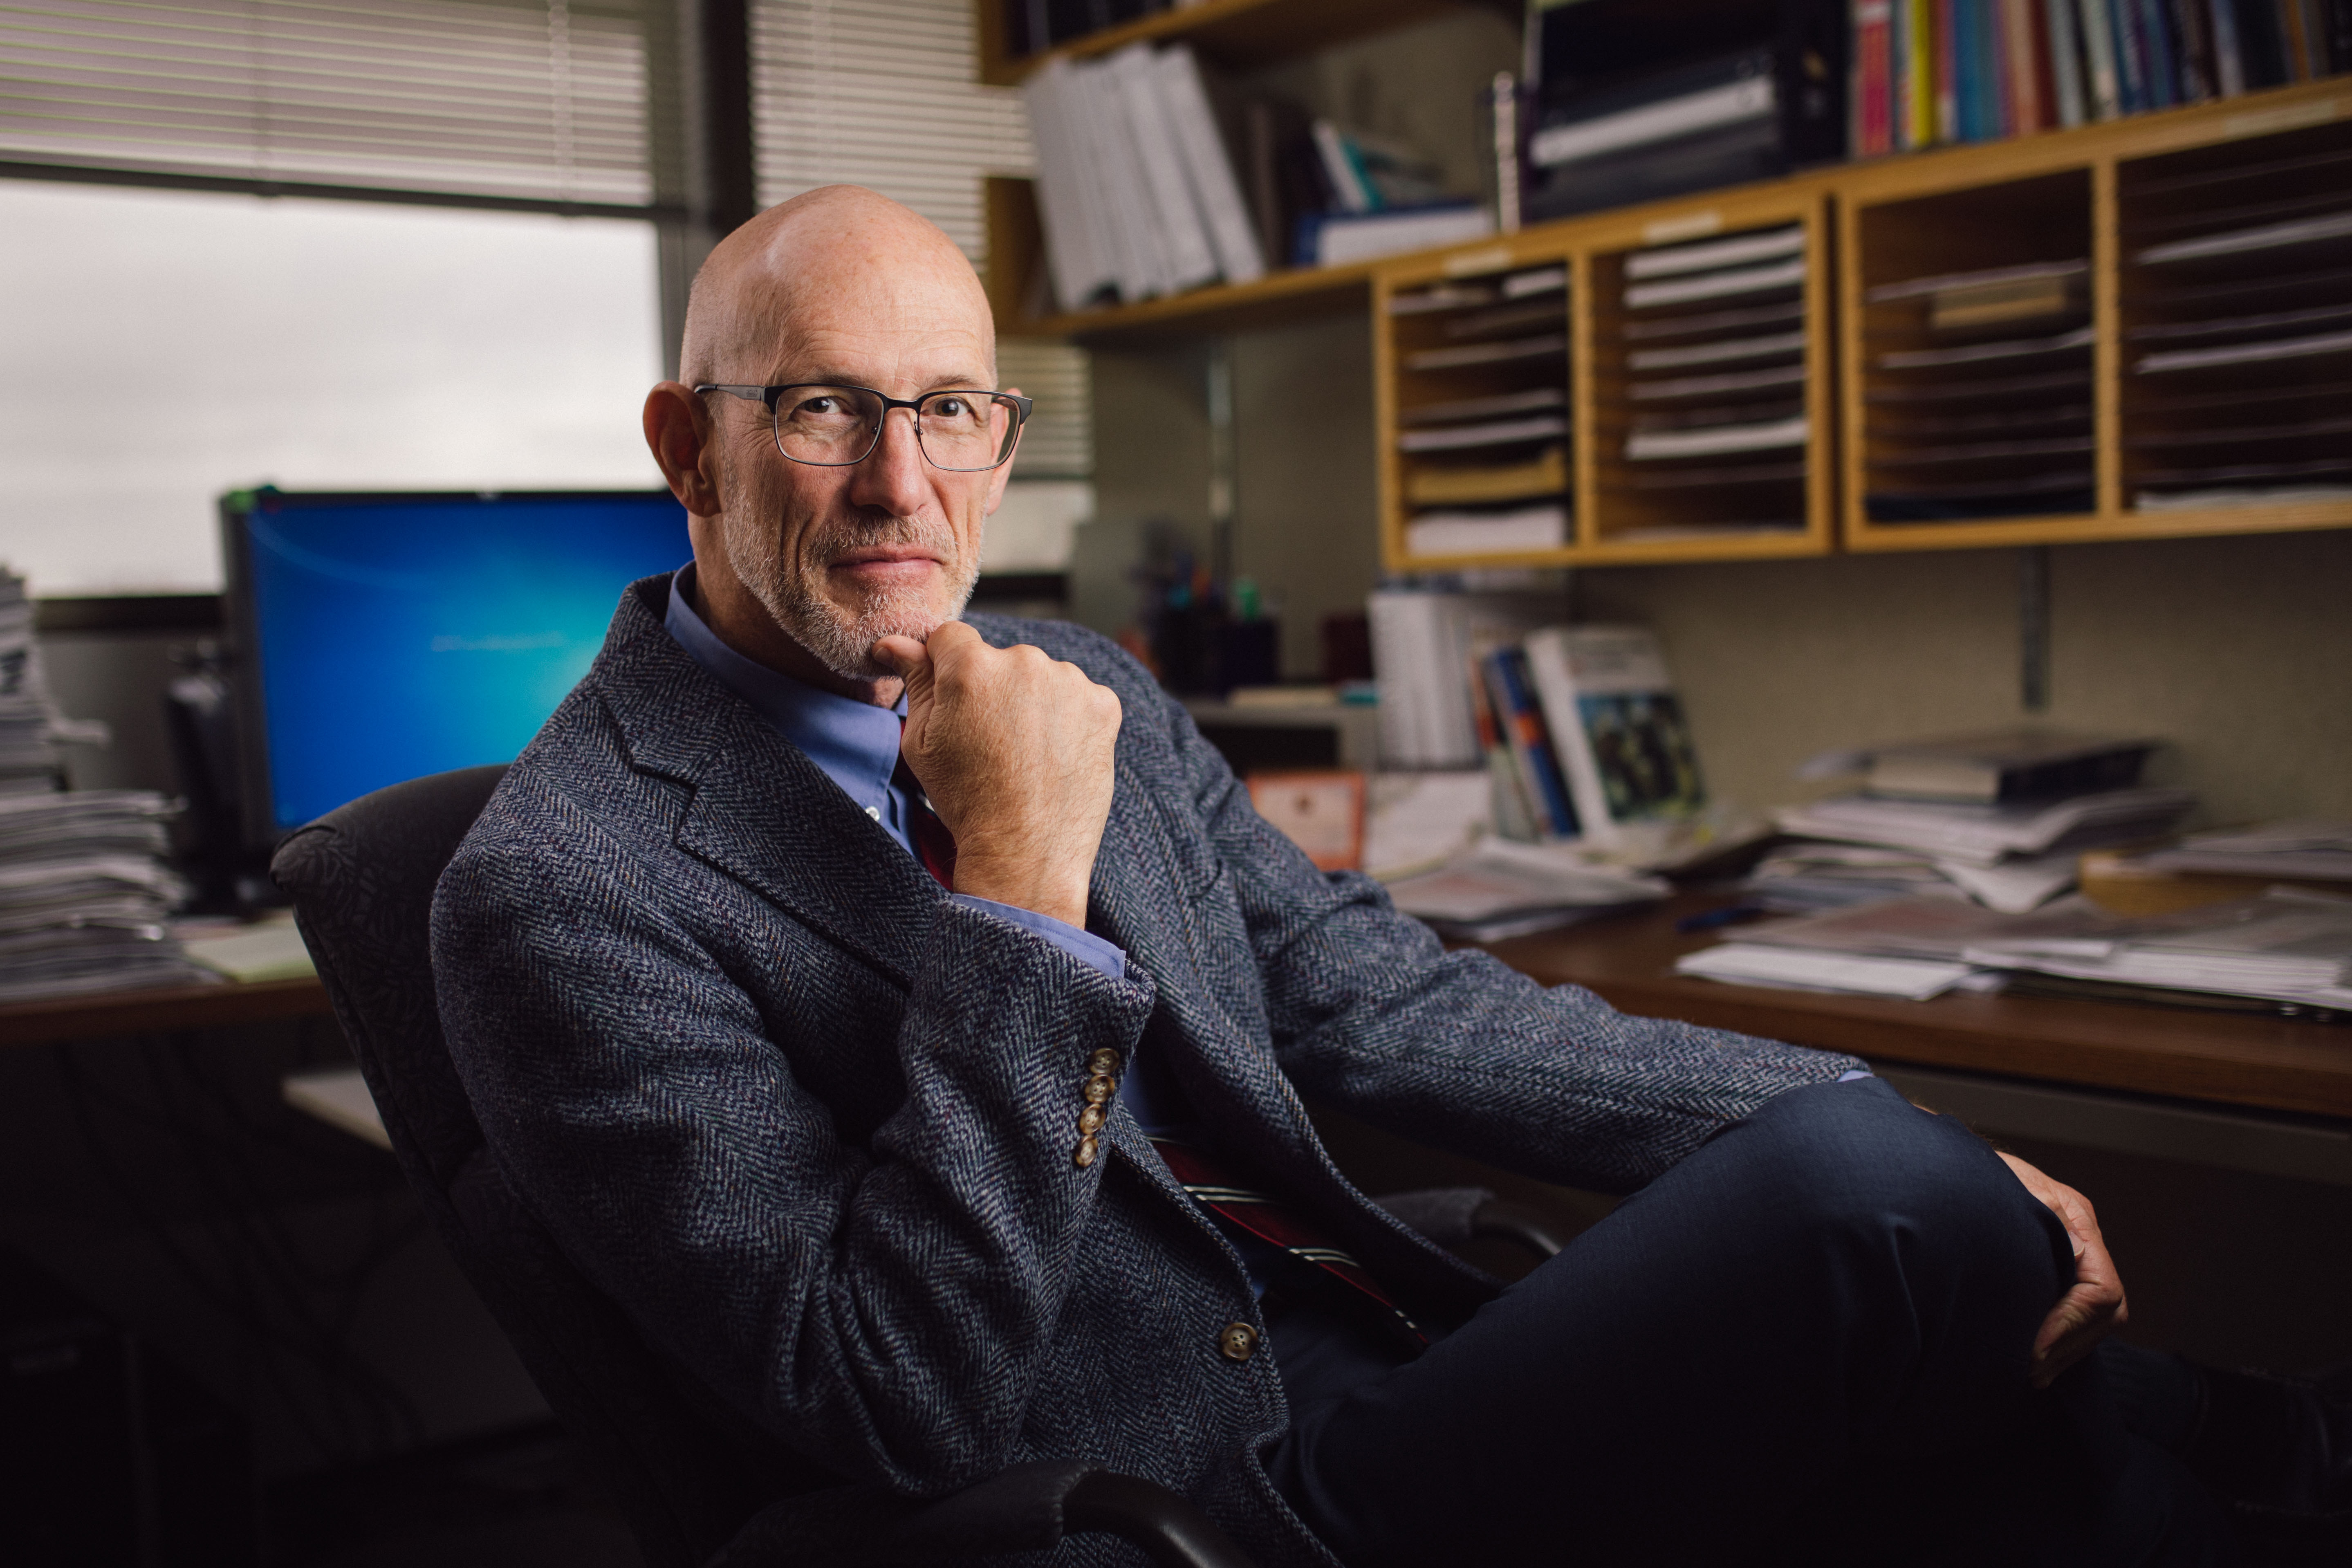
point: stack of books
(1134, 187)
(1928, 72)
(86, 895)
(1146, 189)
(1999, 818)
(1579, 729)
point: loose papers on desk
(1500, 890)
(2286, 946)
(2310, 847)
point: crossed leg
(1807, 1341)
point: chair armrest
(1022, 1508)
(1508, 1221)
(1452, 1216)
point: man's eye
(951, 408)
(820, 408)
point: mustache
(839, 534)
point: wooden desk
(162, 1010)
(2227, 1059)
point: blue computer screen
(403, 637)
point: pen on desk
(1716, 920)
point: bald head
(773, 296)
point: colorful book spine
(2131, 57)
(1919, 72)
(2105, 77)
(2066, 61)
(2229, 62)
(2192, 51)
(2163, 54)
(1995, 117)
(1873, 74)
(1948, 51)
(1522, 720)
(2021, 43)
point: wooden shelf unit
(1617, 516)
(2122, 185)
(1913, 215)
(1241, 34)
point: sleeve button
(1091, 1119)
(1085, 1153)
(1103, 1062)
(1237, 1342)
(1098, 1089)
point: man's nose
(892, 476)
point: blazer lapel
(759, 811)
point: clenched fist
(1014, 749)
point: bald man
(912, 1091)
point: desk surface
(163, 1010)
(2271, 1063)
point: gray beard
(843, 643)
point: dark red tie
(1246, 1209)
(934, 845)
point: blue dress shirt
(855, 744)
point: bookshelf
(1244, 33)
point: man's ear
(677, 429)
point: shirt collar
(854, 744)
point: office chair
(699, 1485)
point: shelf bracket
(2033, 629)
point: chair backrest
(684, 1471)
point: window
(167, 346)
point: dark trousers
(1806, 1342)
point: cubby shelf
(1244, 33)
(1865, 226)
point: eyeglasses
(839, 426)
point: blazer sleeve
(886, 1304)
(1368, 1013)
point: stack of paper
(1500, 890)
(85, 895)
(2012, 857)
(1909, 947)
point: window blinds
(883, 93)
(532, 103)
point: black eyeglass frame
(770, 397)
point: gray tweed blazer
(810, 1123)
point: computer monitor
(384, 636)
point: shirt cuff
(1847, 1077)
(1082, 945)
